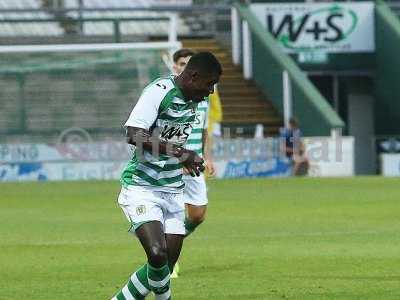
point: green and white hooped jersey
(195, 140)
(162, 109)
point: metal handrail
(84, 19)
(217, 7)
(172, 18)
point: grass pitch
(263, 239)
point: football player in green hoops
(152, 187)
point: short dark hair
(204, 62)
(182, 53)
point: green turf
(263, 239)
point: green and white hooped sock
(159, 282)
(137, 287)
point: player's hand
(192, 162)
(210, 168)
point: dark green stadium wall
(310, 107)
(313, 114)
(387, 82)
(316, 116)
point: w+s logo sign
(322, 28)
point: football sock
(190, 226)
(137, 287)
(159, 282)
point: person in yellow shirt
(214, 114)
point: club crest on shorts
(140, 210)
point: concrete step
(231, 110)
(239, 92)
(233, 84)
(249, 114)
(243, 104)
(254, 120)
(246, 105)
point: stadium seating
(136, 28)
(27, 29)
(155, 28)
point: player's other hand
(210, 168)
(192, 162)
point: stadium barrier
(330, 156)
(234, 158)
(390, 164)
(267, 65)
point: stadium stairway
(244, 105)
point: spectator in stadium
(215, 114)
(293, 147)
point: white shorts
(141, 205)
(195, 192)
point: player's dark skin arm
(142, 138)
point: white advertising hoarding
(101, 151)
(330, 156)
(61, 171)
(320, 27)
(234, 158)
(390, 164)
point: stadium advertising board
(101, 151)
(273, 167)
(105, 160)
(390, 164)
(234, 158)
(70, 161)
(56, 171)
(320, 27)
(329, 156)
